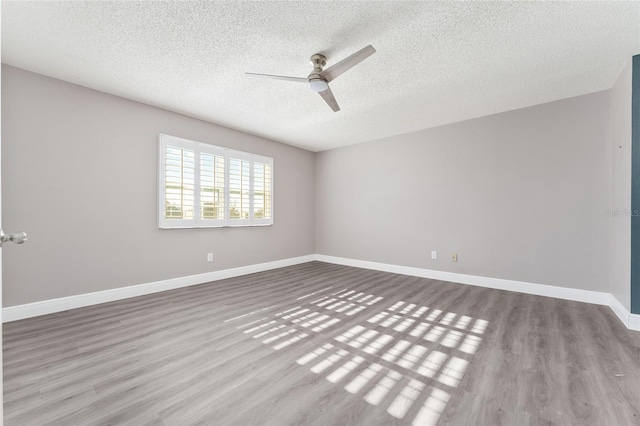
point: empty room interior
(320, 213)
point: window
(203, 185)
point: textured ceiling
(437, 62)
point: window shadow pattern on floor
(407, 358)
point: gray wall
(621, 188)
(79, 174)
(635, 184)
(520, 195)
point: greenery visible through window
(204, 185)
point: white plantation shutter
(212, 188)
(203, 185)
(179, 183)
(239, 191)
(250, 189)
(262, 211)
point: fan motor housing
(318, 61)
(317, 83)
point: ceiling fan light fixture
(319, 79)
(318, 85)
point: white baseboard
(631, 321)
(618, 308)
(634, 322)
(587, 296)
(14, 313)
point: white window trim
(198, 148)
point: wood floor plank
(321, 344)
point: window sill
(258, 225)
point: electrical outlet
(434, 255)
(454, 257)
(209, 257)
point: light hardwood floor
(322, 344)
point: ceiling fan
(318, 80)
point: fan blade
(347, 63)
(279, 77)
(328, 97)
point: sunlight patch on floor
(349, 302)
(347, 368)
(411, 369)
(405, 399)
(249, 313)
(406, 358)
(360, 381)
(282, 328)
(382, 388)
(432, 408)
(314, 293)
(328, 362)
(315, 354)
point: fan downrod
(318, 61)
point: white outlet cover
(434, 255)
